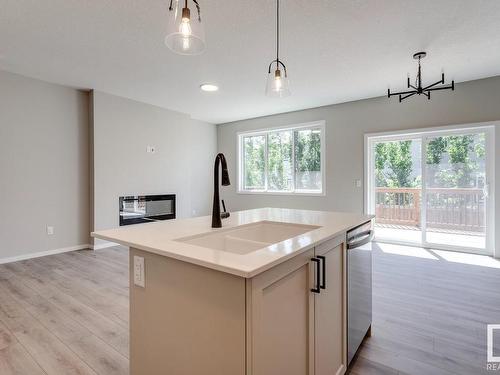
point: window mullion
(293, 160)
(243, 170)
(266, 161)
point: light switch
(50, 230)
(139, 271)
(358, 183)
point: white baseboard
(102, 245)
(44, 253)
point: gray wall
(346, 124)
(43, 166)
(182, 163)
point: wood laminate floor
(430, 311)
(68, 313)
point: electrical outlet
(50, 230)
(139, 277)
(151, 149)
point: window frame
(264, 132)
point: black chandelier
(418, 89)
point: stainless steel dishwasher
(359, 286)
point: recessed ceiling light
(209, 87)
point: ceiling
(335, 50)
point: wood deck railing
(447, 208)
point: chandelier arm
(447, 87)
(410, 85)
(401, 98)
(434, 84)
(402, 93)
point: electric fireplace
(136, 209)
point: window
(285, 160)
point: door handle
(322, 285)
(317, 289)
(486, 190)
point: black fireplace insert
(136, 209)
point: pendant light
(277, 76)
(185, 34)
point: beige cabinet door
(330, 314)
(280, 319)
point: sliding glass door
(432, 188)
(455, 190)
(397, 178)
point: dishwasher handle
(361, 239)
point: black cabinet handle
(322, 285)
(318, 281)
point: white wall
(182, 163)
(43, 166)
(346, 124)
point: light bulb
(185, 30)
(185, 27)
(277, 84)
(277, 80)
(185, 44)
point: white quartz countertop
(160, 238)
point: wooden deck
(447, 208)
(68, 314)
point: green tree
(461, 165)
(279, 153)
(254, 162)
(394, 164)
(307, 158)
(307, 150)
(435, 149)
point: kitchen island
(264, 294)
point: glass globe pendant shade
(277, 84)
(185, 32)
